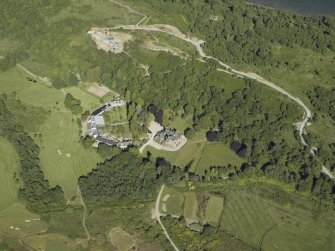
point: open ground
(63, 158)
(270, 226)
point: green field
(54, 55)
(17, 224)
(172, 202)
(17, 216)
(188, 155)
(63, 158)
(89, 101)
(199, 155)
(121, 239)
(255, 220)
(191, 207)
(213, 211)
(217, 154)
(9, 164)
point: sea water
(305, 7)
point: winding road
(173, 31)
(197, 43)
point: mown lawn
(214, 209)
(191, 206)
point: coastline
(303, 11)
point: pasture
(270, 226)
(63, 158)
(9, 164)
(213, 210)
(121, 239)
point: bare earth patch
(167, 48)
(108, 40)
(98, 90)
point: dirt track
(168, 29)
(158, 217)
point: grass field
(256, 220)
(188, 155)
(213, 211)
(9, 164)
(172, 202)
(63, 158)
(191, 207)
(321, 126)
(21, 228)
(217, 154)
(199, 155)
(17, 216)
(56, 59)
(121, 239)
(89, 102)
